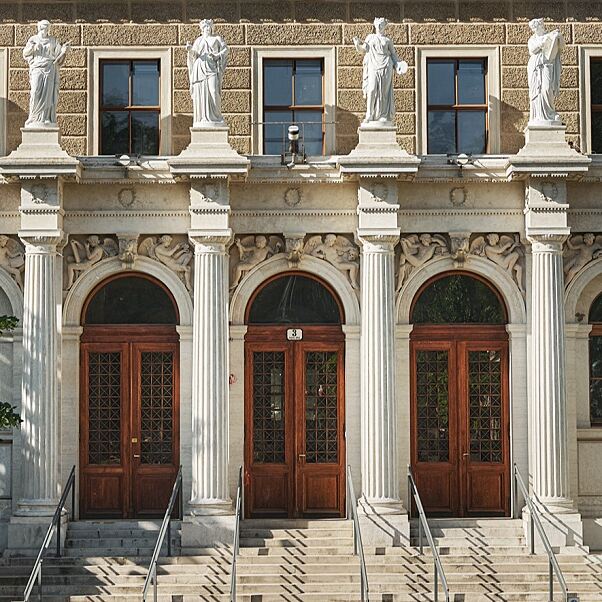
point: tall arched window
(595, 362)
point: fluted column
(210, 377)
(380, 473)
(550, 461)
(39, 392)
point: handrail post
(420, 535)
(551, 580)
(436, 581)
(40, 581)
(532, 534)
(58, 537)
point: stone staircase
(301, 560)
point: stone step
(285, 542)
(460, 541)
(115, 542)
(472, 532)
(345, 530)
(113, 525)
(294, 523)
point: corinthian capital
(378, 242)
(548, 242)
(42, 242)
(210, 241)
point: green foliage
(8, 417)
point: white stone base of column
(207, 531)
(36, 508)
(564, 528)
(383, 523)
(26, 533)
(210, 508)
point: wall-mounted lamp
(127, 160)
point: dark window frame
(129, 108)
(594, 108)
(458, 107)
(595, 332)
(294, 107)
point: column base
(26, 533)
(36, 508)
(207, 531)
(210, 507)
(563, 527)
(383, 523)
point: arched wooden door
(294, 400)
(129, 399)
(460, 398)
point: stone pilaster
(210, 376)
(380, 471)
(39, 398)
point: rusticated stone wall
(245, 24)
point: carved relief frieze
(174, 254)
(579, 251)
(12, 258)
(416, 250)
(251, 251)
(339, 251)
(82, 255)
(128, 249)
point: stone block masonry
(294, 23)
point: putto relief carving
(416, 250)
(82, 256)
(580, 250)
(505, 251)
(172, 254)
(251, 251)
(339, 251)
(12, 258)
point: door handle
(301, 456)
(136, 455)
(465, 455)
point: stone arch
(582, 291)
(13, 294)
(84, 285)
(512, 297)
(279, 264)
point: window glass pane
(311, 132)
(145, 83)
(458, 299)
(440, 82)
(115, 84)
(595, 383)
(471, 132)
(115, 138)
(131, 300)
(471, 82)
(278, 83)
(308, 82)
(596, 82)
(441, 132)
(145, 132)
(595, 312)
(275, 136)
(596, 132)
(294, 300)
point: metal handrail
(236, 543)
(423, 524)
(36, 572)
(535, 521)
(151, 576)
(358, 547)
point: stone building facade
(374, 233)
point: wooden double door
(129, 420)
(460, 419)
(294, 422)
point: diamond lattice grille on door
(104, 408)
(156, 407)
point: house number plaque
(294, 334)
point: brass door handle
(136, 455)
(465, 455)
(301, 456)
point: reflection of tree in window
(595, 362)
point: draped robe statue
(45, 55)
(544, 70)
(207, 59)
(380, 61)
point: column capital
(547, 242)
(42, 242)
(208, 241)
(378, 242)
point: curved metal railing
(438, 572)
(535, 521)
(55, 525)
(358, 547)
(151, 576)
(235, 546)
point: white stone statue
(338, 251)
(504, 251)
(544, 68)
(581, 249)
(45, 55)
(177, 257)
(416, 251)
(87, 255)
(207, 60)
(12, 258)
(380, 61)
(252, 250)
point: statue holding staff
(207, 60)
(380, 61)
(45, 55)
(544, 68)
